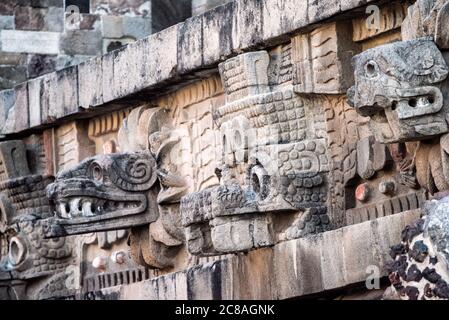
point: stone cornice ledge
(331, 260)
(176, 54)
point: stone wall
(236, 154)
(38, 37)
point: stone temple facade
(237, 149)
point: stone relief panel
(36, 268)
(321, 59)
(402, 88)
(272, 159)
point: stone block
(190, 45)
(247, 25)
(30, 41)
(18, 114)
(90, 76)
(217, 25)
(206, 282)
(359, 252)
(296, 267)
(82, 42)
(322, 9)
(201, 6)
(245, 75)
(283, 16)
(7, 8)
(63, 93)
(12, 59)
(233, 234)
(7, 98)
(333, 270)
(251, 276)
(7, 23)
(13, 162)
(132, 7)
(351, 4)
(322, 59)
(107, 67)
(144, 63)
(38, 65)
(136, 27)
(29, 18)
(54, 19)
(11, 76)
(34, 98)
(112, 26)
(170, 287)
(90, 21)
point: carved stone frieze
(321, 59)
(38, 268)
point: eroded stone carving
(101, 190)
(31, 267)
(399, 87)
(272, 161)
(403, 88)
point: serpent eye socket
(96, 172)
(17, 251)
(371, 69)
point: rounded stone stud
(99, 263)
(362, 192)
(118, 257)
(387, 187)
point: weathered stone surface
(18, 114)
(7, 98)
(30, 41)
(117, 7)
(200, 6)
(291, 269)
(28, 18)
(218, 42)
(90, 81)
(136, 27)
(322, 9)
(269, 21)
(321, 59)
(7, 22)
(10, 75)
(247, 25)
(40, 64)
(35, 88)
(404, 122)
(436, 226)
(63, 93)
(147, 62)
(190, 44)
(112, 26)
(84, 42)
(13, 160)
(280, 15)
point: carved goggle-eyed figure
(399, 86)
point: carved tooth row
(78, 207)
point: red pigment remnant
(362, 192)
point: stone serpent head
(399, 86)
(105, 190)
